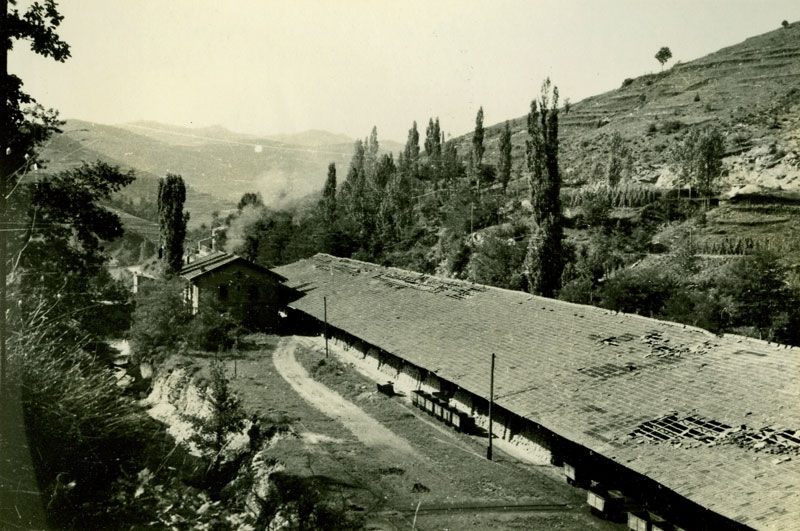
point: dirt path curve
(366, 429)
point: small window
(223, 292)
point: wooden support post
(325, 312)
(491, 400)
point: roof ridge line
(756, 340)
(584, 307)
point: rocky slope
(751, 91)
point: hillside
(750, 90)
(79, 142)
(219, 165)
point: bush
(627, 81)
(579, 290)
(671, 126)
(212, 329)
(498, 260)
(643, 292)
(159, 321)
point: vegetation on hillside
(602, 236)
(441, 211)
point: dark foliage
(159, 320)
(172, 221)
(544, 262)
(59, 259)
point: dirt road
(388, 462)
(366, 429)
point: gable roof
(218, 260)
(714, 419)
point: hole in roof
(700, 430)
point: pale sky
(281, 66)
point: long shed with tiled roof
(706, 426)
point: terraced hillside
(750, 90)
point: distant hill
(313, 137)
(751, 91)
(218, 165)
(184, 136)
(78, 143)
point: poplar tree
(433, 144)
(328, 202)
(395, 210)
(477, 147)
(371, 147)
(452, 169)
(172, 221)
(356, 196)
(544, 262)
(504, 165)
(409, 163)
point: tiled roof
(714, 419)
(214, 261)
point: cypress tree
(477, 147)
(544, 262)
(172, 221)
(328, 202)
(504, 165)
(410, 160)
(433, 141)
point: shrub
(627, 81)
(227, 417)
(159, 321)
(671, 126)
(785, 24)
(643, 292)
(212, 329)
(579, 290)
(498, 260)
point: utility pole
(325, 313)
(491, 400)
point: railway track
(483, 508)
